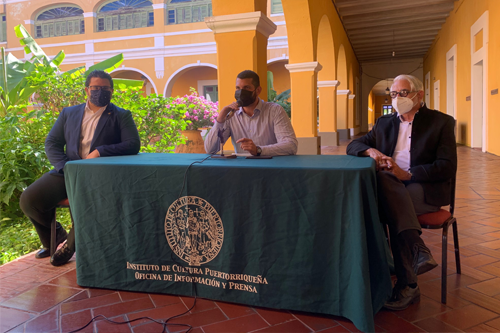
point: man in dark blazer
(97, 128)
(416, 157)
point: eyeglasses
(402, 93)
(105, 88)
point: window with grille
(276, 7)
(386, 109)
(125, 14)
(211, 92)
(3, 29)
(59, 21)
(188, 11)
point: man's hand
(93, 154)
(377, 156)
(225, 110)
(393, 168)
(248, 145)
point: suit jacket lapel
(79, 118)
(102, 123)
(394, 135)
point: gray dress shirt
(269, 128)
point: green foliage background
(22, 145)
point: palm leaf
(107, 65)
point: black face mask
(100, 97)
(244, 97)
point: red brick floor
(36, 297)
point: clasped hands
(93, 154)
(386, 163)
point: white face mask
(403, 104)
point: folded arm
(212, 142)
(130, 142)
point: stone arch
(116, 73)
(56, 20)
(39, 10)
(326, 50)
(342, 69)
(280, 73)
(167, 91)
(301, 41)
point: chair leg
(457, 251)
(444, 265)
(53, 233)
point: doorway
(437, 95)
(477, 100)
(451, 81)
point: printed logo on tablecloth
(194, 230)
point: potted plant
(200, 113)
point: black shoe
(62, 235)
(422, 260)
(62, 256)
(402, 298)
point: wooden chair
(53, 242)
(442, 219)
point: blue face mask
(100, 97)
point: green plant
(282, 99)
(22, 155)
(20, 238)
(23, 130)
(14, 86)
(158, 120)
(199, 111)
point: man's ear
(421, 95)
(258, 90)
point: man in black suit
(94, 129)
(416, 157)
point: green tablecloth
(294, 232)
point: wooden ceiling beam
(376, 39)
(385, 32)
(382, 7)
(421, 14)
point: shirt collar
(400, 117)
(88, 109)
(256, 111)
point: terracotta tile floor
(36, 297)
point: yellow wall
(371, 109)
(190, 79)
(379, 101)
(281, 76)
(457, 30)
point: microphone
(220, 134)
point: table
(293, 232)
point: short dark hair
(248, 74)
(100, 74)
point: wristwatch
(259, 151)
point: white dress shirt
(269, 128)
(402, 152)
(89, 124)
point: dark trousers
(39, 203)
(399, 205)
